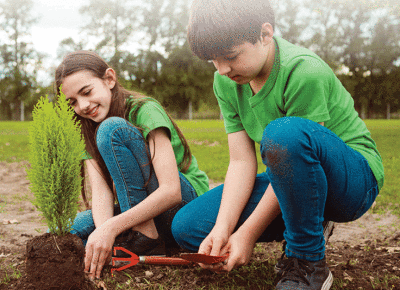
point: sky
(58, 19)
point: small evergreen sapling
(56, 147)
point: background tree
(111, 23)
(69, 45)
(291, 19)
(382, 51)
(185, 82)
(146, 43)
(19, 61)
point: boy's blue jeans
(315, 176)
(126, 155)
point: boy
(321, 161)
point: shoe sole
(328, 230)
(328, 282)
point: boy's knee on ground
(183, 228)
(179, 227)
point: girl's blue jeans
(126, 155)
(315, 176)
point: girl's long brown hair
(90, 61)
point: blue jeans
(125, 153)
(315, 176)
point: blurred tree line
(359, 39)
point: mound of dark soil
(54, 262)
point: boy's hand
(240, 249)
(213, 244)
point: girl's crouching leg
(83, 225)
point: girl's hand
(98, 251)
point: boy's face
(244, 63)
(249, 62)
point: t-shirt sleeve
(152, 116)
(308, 89)
(232, 120)
(85, 155)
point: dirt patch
(54, 262)
(16, 205)
(362, 255)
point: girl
(134, 147)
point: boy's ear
(267, 32)
(110, 77)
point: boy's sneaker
(300, 274)
(139, 244)
(328, 230)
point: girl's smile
(89, 95)
(93, 112)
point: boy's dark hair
(217, 25)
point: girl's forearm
(102, 206)
(161, 200)
(102, 196)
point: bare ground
(364, 254)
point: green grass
(10, 273)
(209, 144)
(14, 141)
(386, 134)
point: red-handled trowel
(185, 259)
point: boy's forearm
(238, 186)
(265, 212)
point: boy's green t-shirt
(151, 115)
(300, 84)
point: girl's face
(89, 95)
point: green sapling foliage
(56, 147)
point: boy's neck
(259, 81)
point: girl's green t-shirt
(300, 84)
(151, 115)
(148, 114)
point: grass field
(209, 144)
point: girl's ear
(110, 77)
